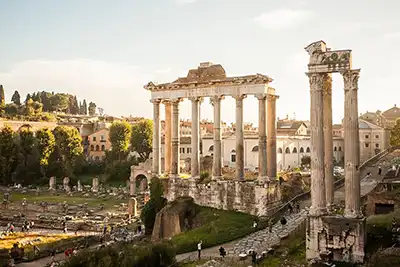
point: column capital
(350, 78)
(316, 81)
(155, 101)
(216, 98)
(166, 101)
(176, 101)
(239, 96)
(261, 96)
(272, 97)
(196, 98)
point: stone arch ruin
(137, 172)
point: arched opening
(294, 150)
(335, 149)
(287, 150)
(280, 150)
(233, 156)
(91, 147)
(142, 182)
(308, 150)
(97, 148)
(211, 148)
(301, 150)
(103, 148)
(340, 148)
(254, 149)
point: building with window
(185, 151)
(386, 119)
(98, 143)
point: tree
(305, 160)
(32, 107)
(8, 156)
(2, 97)
(84, 108)
(28, 96)
(45, 143)
(74, 106)
(154, 205)
(92, 109)
(142, 138)
(59, 102)
(16, 98)
(46, 101)
(395, 134)
(120, 133)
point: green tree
(28, 96)
(2, 97)
(11, 109)
(32, 107)
(59, 102)
(8, 154)
(46, 101)
(45, 143)
(154, 205)
(395, 134)
(84, 108)
(305, 160)
(16, 98)
(92, 109)
(73, 105)
(120, 132)
(142, 138)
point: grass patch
(218, 227)
(31, 197)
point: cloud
(117, 88)
(282, 18)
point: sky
(106, 51)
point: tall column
(168, 136)
(351, 145)
(271, 136)
(318, 201)
(217, 157)
(195, 161)
(239, 128)
(175, 166)
(156, 137)
(328, 139)
(262, 137)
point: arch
(103, 148)
(340, 148)
(335, 149)
(254, 149)
(211, 148)
(294, 150)
(142, 182)
(308, 150)
(280, 150)
(287, 150)
(233, 151)
(97, 147)
(91, 147)
(301, 150)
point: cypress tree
(2, 96)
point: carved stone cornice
(350, 79)
(316, 81)
(239, 97)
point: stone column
(262, 137)
(167, 139)
(318, 199)
(175, 166)
(351, 145)
(328, 139)
(271, 136)
(217, 160)
(239, 137)
(156, 137)
(195, 140)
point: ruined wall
(248, 197)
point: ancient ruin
(341, 237)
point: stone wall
(248, 197)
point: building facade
(99, 143)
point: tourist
(64, 225)
(254, 258)
(105, 229)
(379, 170)
(199, 249)
(254, 224)
(222, 252)
(283, 221)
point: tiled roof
(393, 112)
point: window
(287, 150)
(366, 136)
(335, 149)
(294, 150)
(103, 148)
(211, 148)
(233, 158)
(377, 136)
(182, 150)
(102, 138)
(340, 148)
(92, 148)
(366, 145)
(189, 150)
(301, 150)
(377, 145)
(308, 150)
(94, 138)
(280, 150)
(97, 148)
(254, 149)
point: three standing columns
(175, 166)
(217, 160)
(351, 145)
(239, 128)
(195, 140)
(156, 137)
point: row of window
(308, 150)
(102, 138)
(367, 145)
(187, 149)
(97, 148)
(367, 136)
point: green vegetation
(395, 134)
(141, 139)
(218, 227)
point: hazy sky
(106, 51)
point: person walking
(199, 249)
(379, 170)
(254, 258)
(222, 252)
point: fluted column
(168, 136)
(195, 161)
(328, 139)
(262, 137)
(351, 145)
(318, 201)
(175, 166)
(156, 137)
(217, 157)
(271, 136)
(239, 128)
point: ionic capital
(216, 99)
(196, 99)
(176, 101)
(166, 101)
(261, 96)
(272, 97)
(155, 101)
(239, 96)
(350, 79)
